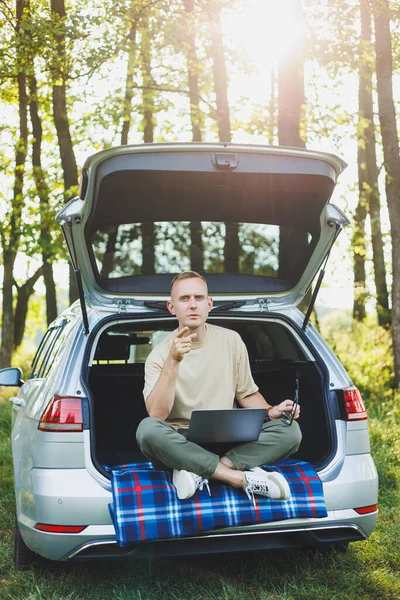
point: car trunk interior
(116, 380)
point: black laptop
(236, 425)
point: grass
(369, 570)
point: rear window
(165, 247)
(249, 228)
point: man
(204, 366)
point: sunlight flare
(278, 25)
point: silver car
(258, 222)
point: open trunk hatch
(255, 220)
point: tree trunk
(197, 123)
(359, 248)
(43, 193)
(60, 114)
(108, 258)
(68, 162)
(220, 75)
(196, 247)
(21, 310)
(291, 95)
(291, 102)
(193, 67)
(232, 246)
(368, 186)
(7, 321)
(387, 118)
(148, 94)
(51, 293)
(10, 234)
(148, 241)
(60, 111)
(358, 238)
(129, 83)
(147, 229)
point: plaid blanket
(146, 507)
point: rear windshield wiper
(156, 305)
(227, 305)
(160, 305)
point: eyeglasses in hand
(288, 416)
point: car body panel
(358, 438)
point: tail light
(60, 528)
(354, 405)
(63, 413)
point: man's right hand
(182, 344)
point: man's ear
(170, 307)
(210, 303)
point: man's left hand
(285, 406)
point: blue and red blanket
(146, 507)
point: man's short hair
(187, 275)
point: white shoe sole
(279, 480)
(184, 484)
(282, 484)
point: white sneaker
(187, 483)
(270, 484)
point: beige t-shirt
(211, 375)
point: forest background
(79, 76)
(76, 78)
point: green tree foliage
(88, 76)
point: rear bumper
(224, 542)
(97, 542)
(73, 497)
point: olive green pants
(166, 448)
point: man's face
(190, 302)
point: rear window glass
(164, 247)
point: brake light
(365, 510)
(354, 405)
(63, 413)
(60, 528)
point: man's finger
(287, 405)
(189, 339)
(183, 350)
(182, 331)
(186, 340)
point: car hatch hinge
(123, 306)
(263, 305)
